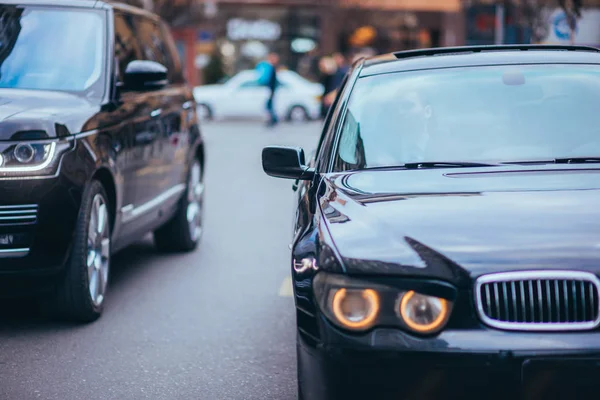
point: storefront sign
(201, 61)
(303, 45)
(254, 49)
(205, 36)
(587, 33)
(406, 5)
(241, 29)
(481, 24)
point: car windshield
(51, 49)
(474, 114)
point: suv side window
(174, 62)
(155, 48)
(127, 48)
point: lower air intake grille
(18, 215)
(539, 300)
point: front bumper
(37, 222)
(390, 364)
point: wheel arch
(200, 155)
(210, 108)
(105, 177)
(297, 105)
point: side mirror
(145, 75)
(286, 162)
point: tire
(299, 377)
(205, 112)
(183, 232)
(81, 293)
(298, 113)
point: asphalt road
(214, 324)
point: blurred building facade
(528, 21)
(241, 32)
(220, 37)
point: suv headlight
(29, 158)
(359, 305)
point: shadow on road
(24, 313)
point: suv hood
(54, 113)
(456, 226)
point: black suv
(99, 145)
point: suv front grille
(18, 215)
(539, 300)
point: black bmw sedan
(447, 235)
(99, 145)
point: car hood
(456, 225)
(54, 113)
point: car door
(179, 116)
(155, 176)
(141, 123)
(248, 98)
(173, 112)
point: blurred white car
(297, 99)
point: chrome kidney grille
(539, 300)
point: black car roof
(467, 56)
(101, 4)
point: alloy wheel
(98, 250)
(195, 195)
(297, 114)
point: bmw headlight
(421, 313)
(355, 309)
(31, 158)
(359, 305)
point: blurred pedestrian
(268, 77)
(308, 66)
(327, 69)
(341, 70)
(273, 84)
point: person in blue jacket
(268, 77)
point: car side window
(328, 134)
(173, 60)
(249, 84)
(253, 84)
(127, 48)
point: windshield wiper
(447, 164)
(577, 160)
(567, 160)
